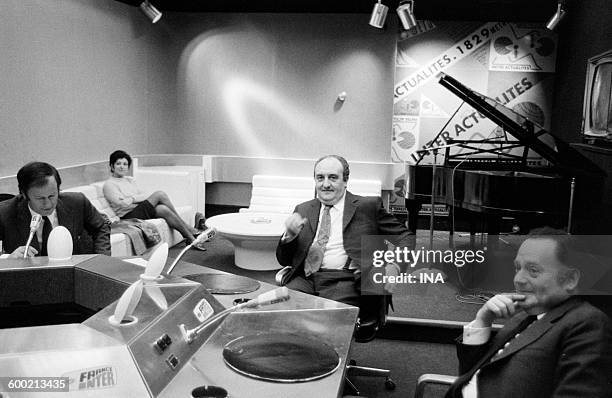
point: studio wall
(79, 79)
(266, 85)
(584, 33)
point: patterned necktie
(314, 259)
(45, 235)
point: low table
(254, 236)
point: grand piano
(521, 173)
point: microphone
(34, 224)
(201, 238)
(205, 236)
(272, 297)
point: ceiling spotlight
(151, 12)
(554, 21)
(405, 12)
(379, 14)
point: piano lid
(529, 133)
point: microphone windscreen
(206, 235)
(272, 297)
(35, 222)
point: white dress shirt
(334, 256)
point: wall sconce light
(405, 12)
(151, 12)
(341, 96)
(556, 19)
(379, 14)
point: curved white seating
(273, 198)
(120, 244)
(280, 194)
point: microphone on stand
(268, 298)
(34, 224)
(203, 237)
(272, 297)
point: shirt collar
(339, 205)
(52, 216)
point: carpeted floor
(407, 360)
(446, 300)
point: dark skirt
(144, 211)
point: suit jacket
(74, 211)
(567, 353)
(362, 216)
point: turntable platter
(281, 357)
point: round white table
(254, 236)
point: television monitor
(597, 107)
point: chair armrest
(432, 378)
(281, 276)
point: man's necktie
(519, 329)
(45, 235)
(314, 259)
(526, 322)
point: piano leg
(493, 228)
(413, 207)
(451, 227)
(473, 229)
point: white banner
(454, 54)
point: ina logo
(91, 378)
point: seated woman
(128, 201)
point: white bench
(280, 194)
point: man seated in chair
(554, 343)
(322, 242)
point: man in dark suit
(554, 344)
(39, 194)
(323, 239)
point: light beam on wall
(240, 95)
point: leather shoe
(200, 221)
